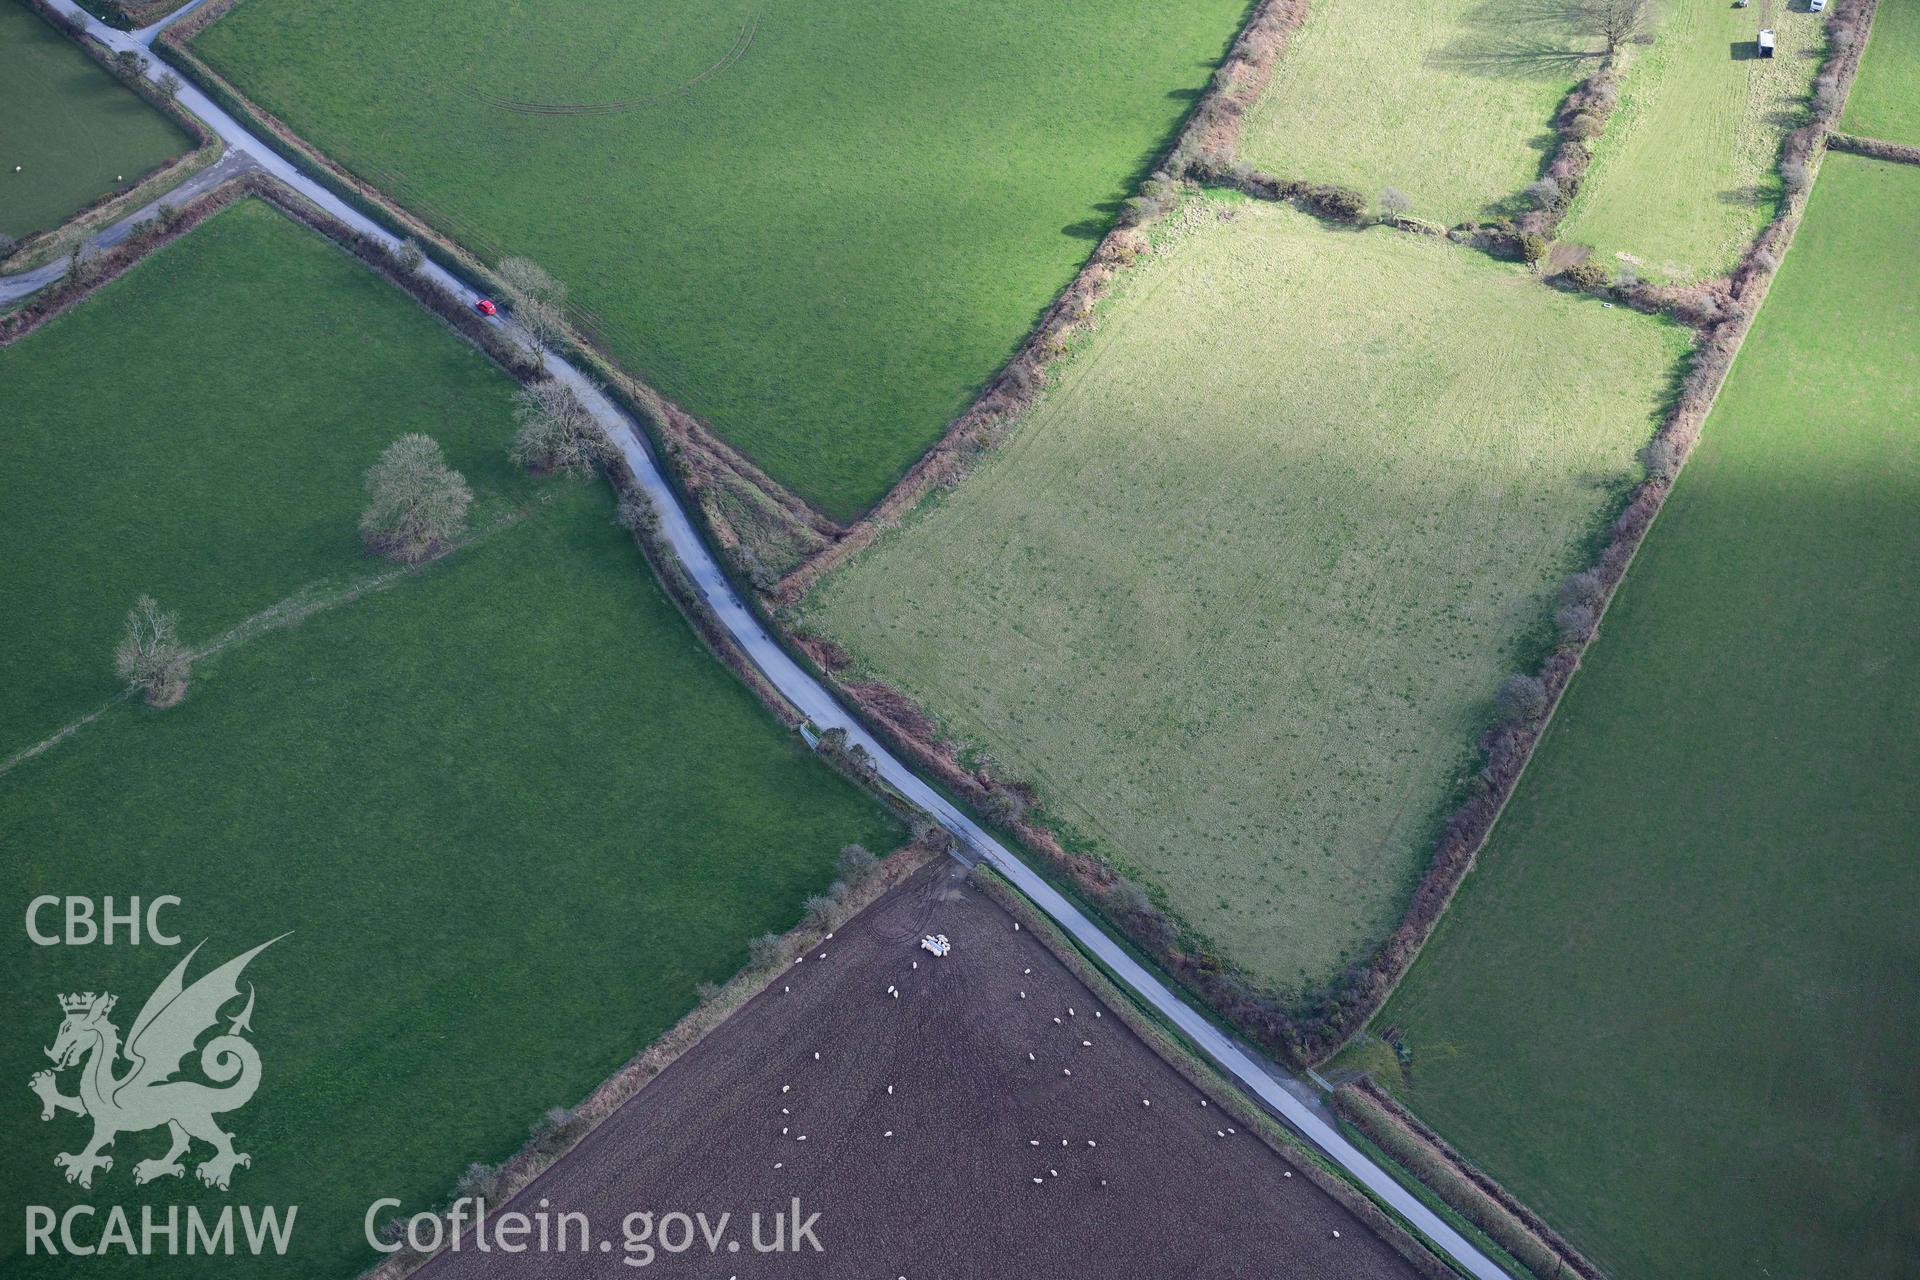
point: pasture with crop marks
(1885, 101)
(1673, 1007)
(819, 226)
(1687, 171)
(75, 133)
(1240, 628)
(508, 806)
(1369, 89)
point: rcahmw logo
(130, 1086)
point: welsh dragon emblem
(145, 1095)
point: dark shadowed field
(750, 1120)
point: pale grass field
(1450, 101)
(1685, 175)
(1236, 595)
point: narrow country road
(1286, 1096)
(231, 165)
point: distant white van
(1765, 43)
(1815, 6)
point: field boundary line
(1715, 358)
(1175, 1052)
(65, 292)
(61, 734)
(1209, 130)
(1877, 148)
(1512, 1216)
(435, 285)
(548, 1147)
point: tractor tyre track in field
(522, 106)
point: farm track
(520, 105)
(1293, 1100)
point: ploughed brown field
(1125, 1189)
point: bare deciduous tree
(556, 433)
(82, 263)
(1521, 699)
(1617, 22)
(150, 657)
(1394, 203)
(766, 951)
(857, 863)
(1544, 193)
(542, 322)
(636, 512)
(1582, 588)
(1662, 457)
(525, 280)
(417, 503)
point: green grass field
(509, 807)
(251, 419)
(1240, 628)
(1673, 1008)
(826, 245)
(75, 132)
(1452, 103)
(1885, 99)
(1686, 173)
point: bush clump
(557, 435)
(1662, 457)
(150, 657)
(1587, 273)
(1543, 193)
(417, 504)
(1330, 200)
(1521, 700)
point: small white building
(1765, 43)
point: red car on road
(485, 307)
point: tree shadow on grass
(1523, 40)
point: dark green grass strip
(1673, 1008)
